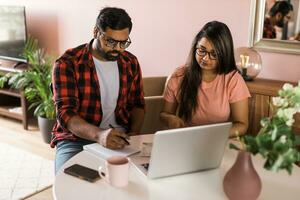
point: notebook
(104, 153)
(186, 150)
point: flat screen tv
(12, 32)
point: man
(279, 15)
(98, 90)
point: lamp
(248, 62)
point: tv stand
(20, 65)
(13, 103)
(12, 66)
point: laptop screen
(185, 150)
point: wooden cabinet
(11, 99)
(262, 90)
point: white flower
(290, 122)
(290, 112)
(297, 90)
(287, 113)
(298, 108)
(287, 86)
(280, 113)
(277, 101)
(283, 139)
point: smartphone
(82, 172)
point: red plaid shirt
(269, 30)
(77, 92)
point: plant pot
(45, 126)
(242, 180)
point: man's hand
(113, 139)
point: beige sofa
(153, 89)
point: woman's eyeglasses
(112, 43)
(212, 55)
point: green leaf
(251, 144)
(297, 140)
(274, 133)
(264, 122)
(233, 146)
(280, 147)
(264, 141)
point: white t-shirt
(108, 76)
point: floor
(12, 132)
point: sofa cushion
(154, 86)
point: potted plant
(35, 81)
(275, 142)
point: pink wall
(162, 29)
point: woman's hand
(239, 117)
(168, 115)
(175, 122)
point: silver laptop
(186, 150)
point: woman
(208, 89)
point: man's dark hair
(282, 7)
(114, 18)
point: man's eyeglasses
(112, 43)
(212, 55)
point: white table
(201, 185)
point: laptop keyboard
(145, 165)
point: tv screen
(12, 32)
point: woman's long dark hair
(220, 37)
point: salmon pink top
(214, 98)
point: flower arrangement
(275, 141)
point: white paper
(103, 152)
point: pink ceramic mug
(116, 171)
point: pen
(124, 139)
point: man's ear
(95, 32)
(278, 16)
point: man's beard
(110, 57)
(107, 55)
(280, 23)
